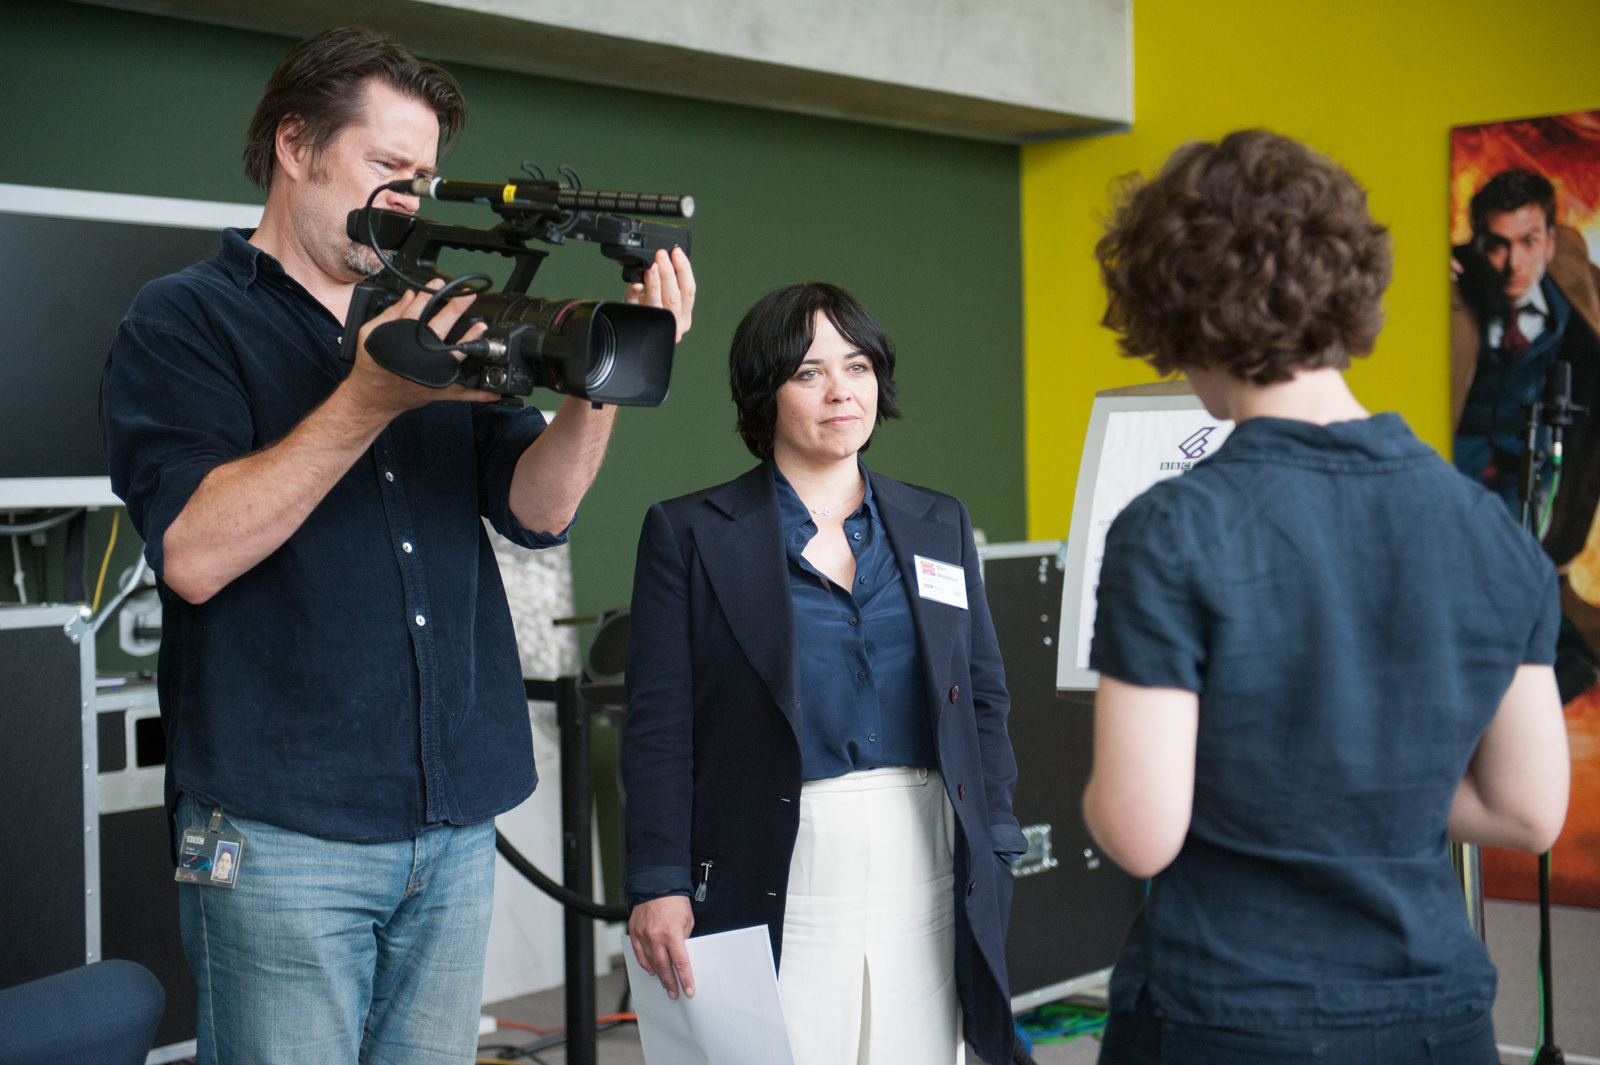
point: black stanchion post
(577, 869)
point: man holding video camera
(339, 681)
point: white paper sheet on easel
(734, 1015)
(1140, 448)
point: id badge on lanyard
(209, 855)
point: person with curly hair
(1312, 675)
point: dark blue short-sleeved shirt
(1350, 610)
(862, 703)
(361, 682)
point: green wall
(924, 229)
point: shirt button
(955, 693)
(388, 475)
(863, 580)
(961, 792)
(406, 547)
(421, 621)
(855, 536)
(861, 674)
(972, 887)
(855, 621)
(872, 737)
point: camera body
(604, 351)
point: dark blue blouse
(362, 681)
(1350, 610)
(861, 698)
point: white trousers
(867, 975)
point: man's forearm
(557, 469)
(244, 510)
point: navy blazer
(711, 752)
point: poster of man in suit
(1525, 375)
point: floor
(1513, 942)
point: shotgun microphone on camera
(546, 194)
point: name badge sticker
(941, 582)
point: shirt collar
(793, 513)
(247, 265)
(1535, 300)
(1382, 438)
(244, 262)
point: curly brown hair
(1255, 255)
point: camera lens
(602, 353)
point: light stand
(1553, 410)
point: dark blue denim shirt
(1350, 610)
(861, 700)
(361, 682)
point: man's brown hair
(321, 85)
(1509, 190)
(1255, 255)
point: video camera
(606, 352)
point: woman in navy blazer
(718, 706)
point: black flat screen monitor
(70, 264)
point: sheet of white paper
(1140, 448)
(734, 1015)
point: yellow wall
(1376, 85)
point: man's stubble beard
(361, 260)
(358, 258)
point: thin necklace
(825, 511)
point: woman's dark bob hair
(1256, 256)
(774, 337)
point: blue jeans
(341, 953)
